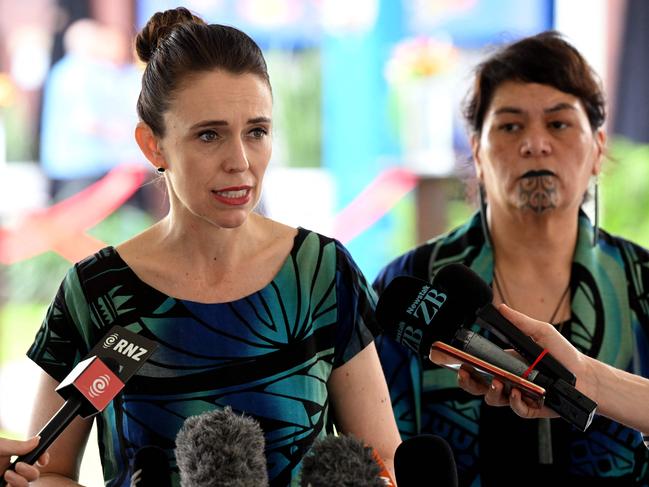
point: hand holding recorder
(620, 395)
(419, 314)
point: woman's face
(217, 145)
(537, 151)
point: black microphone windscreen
(460, 280)
(150, 468)
(342, 461)
(220, 447)
(395, 299)
(416, 313)
(422, 457)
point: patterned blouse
(609, 321)
(268, 355)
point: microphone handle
(50, 432)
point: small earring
(160, 170)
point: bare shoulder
(275, 241)
(280, 233)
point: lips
(235, 196)
(538, 173)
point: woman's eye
(557, 124)
(258, 132)
(208, 136)
(510, 127)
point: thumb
(531, 327)
(9, 448)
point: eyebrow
(553, 109)
(223, 123)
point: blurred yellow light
(7, 90)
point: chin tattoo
(537, 193)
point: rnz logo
(99, 385)
(120, 345)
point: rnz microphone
(425, 456)
(93, 384)
(88, 389)
(221, 448)
(416, 313)
(343, 461)
(150, 468)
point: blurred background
(369, 146)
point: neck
(532, 263)
(200, 242)
(531, 241)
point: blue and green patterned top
(268, 355)
(609, 286)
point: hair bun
(159, 27)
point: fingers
(529, 326)
(466, 382)
(24, 473)
(17, 447)
(493, 393)
(520, 407)
(43, 460)
(496, 395)
(22, 476)
(528, 410)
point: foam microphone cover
(463, 283)
(425, 457)
(395, 299)
(150, 468)
(416, 313)
(221, 448)
(341, 461)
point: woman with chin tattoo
(535, 114)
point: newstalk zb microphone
(416, 313)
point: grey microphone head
(221, 448)
(342, 461)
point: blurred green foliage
(20, 146)
(20, 321)
(297, 92)
(36, 280)
(624, 194)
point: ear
(600, 148)
(149, 145)
(475, 149)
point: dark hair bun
(159, 27)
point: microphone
(480, 347)
(151, 468)
(93, 384)
(420, 456)
(343, 461)
(459, 280)
(416, 313)
(220, 447)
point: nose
(535, 143)
(236, 159)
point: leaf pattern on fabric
(268, 355)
